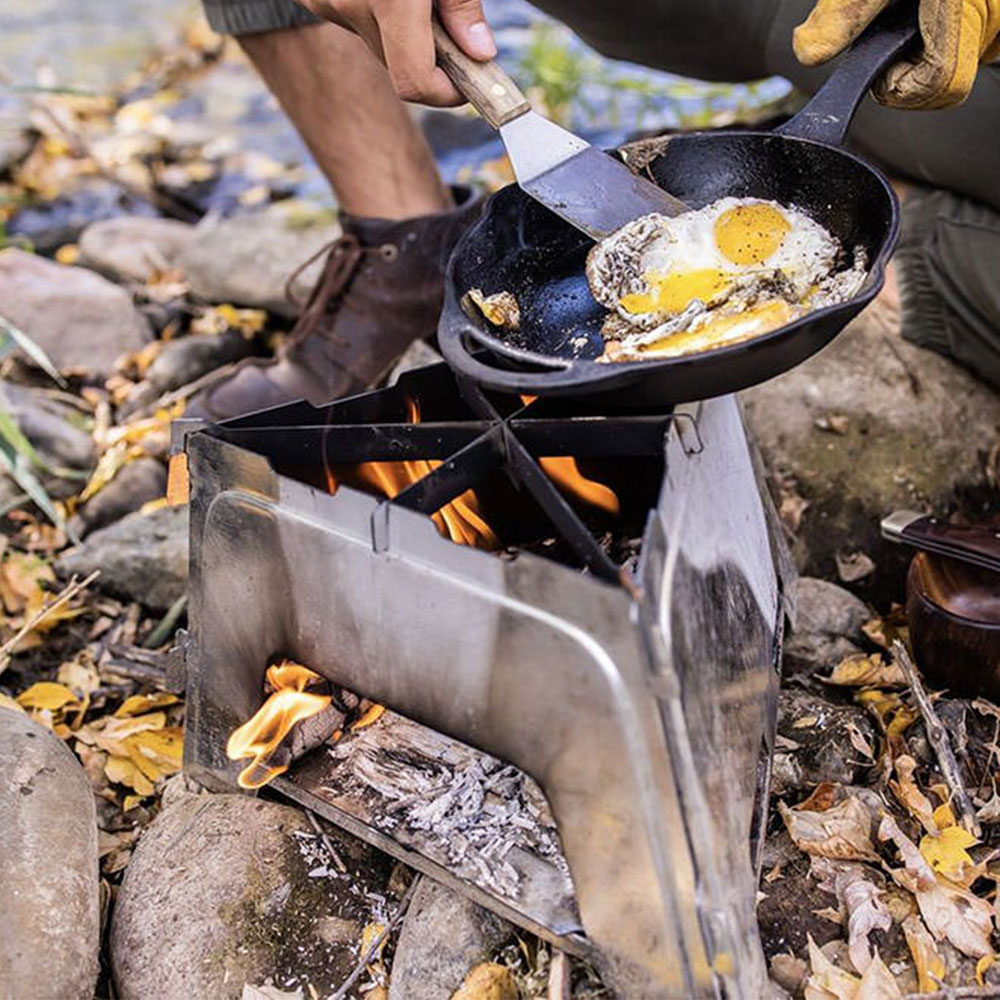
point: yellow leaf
(123, 771)
(487, 981)
(944, 817)
(368, 938)
(929, 964)
(68, 253)
(140, 703)
(867, 671)
(107, 468)
(79, 677)
(982, 966)
(946, 852)
(130, 802)
(157, 753)
(46, 694)
(21, 579)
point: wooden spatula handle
(484, 84)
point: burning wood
(291, 722)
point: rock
(821, 606)
(48, 225)
(248, 258)
(184, 360)
(418, 355)
(78, 318)
(137, 483)
(821, 740)
(916, 428)
(142, 557)
(133, 249)
(220, 893)
(15, 141)
(48, 866)
(814, 653)
(444, 935)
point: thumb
(465, 22)
(831, 27)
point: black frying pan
(521, 247)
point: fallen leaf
(123, 771)
(878, 983)
(487, 981)
(138, 704)
(805, 722)
(22, 576)
(946, 852)
(865, 913)
(842, 831)
(820, 798)
(827, 981)
(860, 670)
(7, 702)
(909, 794)
(929, 964)
(982, 966)
(46, 695)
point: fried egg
(732, 270)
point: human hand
(957, 35)
(399, 33)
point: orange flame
(460, 519)
(566, 474)
(262, 734)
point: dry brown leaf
(123, 771)
(843, 831)
(909, 795)
(487, 981)
(929, 964)
(827, 981)
(22, 576)
(860, 670)
(878, 983)
(865, 913)
(820, 798)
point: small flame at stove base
(261, 735)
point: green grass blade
(12, 338)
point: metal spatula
(584, 185)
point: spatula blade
(587, 187)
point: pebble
(133, 249)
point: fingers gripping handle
(828, 115)
(483, 84)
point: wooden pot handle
(483, 84)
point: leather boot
(381, 288)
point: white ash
(476, 811)
(316, 855)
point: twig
(327, 843)
(956, 993)
(377, 943)
(937, 736)
(559, 985)
(161, 633)
(67, 593)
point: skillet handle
(827, 117)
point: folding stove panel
(640, 711)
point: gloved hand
(957, 34)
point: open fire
(291, 702)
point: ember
(262, 734)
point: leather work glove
(957, 34)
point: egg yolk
(749, 234)
(675, 291)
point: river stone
(78, 318)
(134, 248)
(247, 259)
(142, 557)
(821, 606)
(137, 483)
(444, 935)
(917, 429)
(48, 866)
(219, 894)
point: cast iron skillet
(522, 247)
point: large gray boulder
(133, 248)
(226, 890)
(78, 318)
(143, 557)
(444, 935)
(137, 483)
(915, 433)
(50, 939)
(248, 258)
